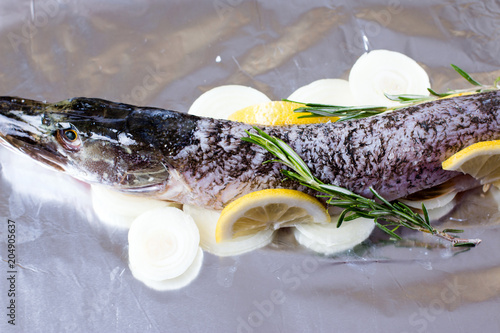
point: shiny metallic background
(73, 274)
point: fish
(175, 156)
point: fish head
(85, 138)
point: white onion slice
(163, 244)
(432, 203)
(327, 239)
(222, 101)
(495, 192)
(175, 283)
(119, 209)
(436, 207)
(438, 212)
(206, 220)
(383, 71)
(325, 91)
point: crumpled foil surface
(72, 271)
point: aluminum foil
(71, 270)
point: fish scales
(397, 153)
(189, 159)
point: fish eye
(71, 135)
(69, 138)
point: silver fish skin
(178, 157)
(397, 153)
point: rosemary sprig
(356, 112)
(342, 112)
(466, 76)
(409, 99)
(387, 216)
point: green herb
(342, 112)
(466, 76)
(356, 112)
(387, 216)
(408, 98)
(495, 84)
(438, 95)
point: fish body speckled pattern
(202, 161)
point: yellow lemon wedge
(480, 160)
(268, 209)
(276, 113)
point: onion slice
(175, 283)
(163, 245)
(432, 203)
(383, 71)
(325, 91)
(437, 207)
(222, 101)
(118, 209)
(327, 239)
(206, 220)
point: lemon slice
(275, 113)
(480, 160)
(268, 209)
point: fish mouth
(22, 135)
(41, 154)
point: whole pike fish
(188, 159)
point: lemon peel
(268, 209)
(276, 113)
(480, 160)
